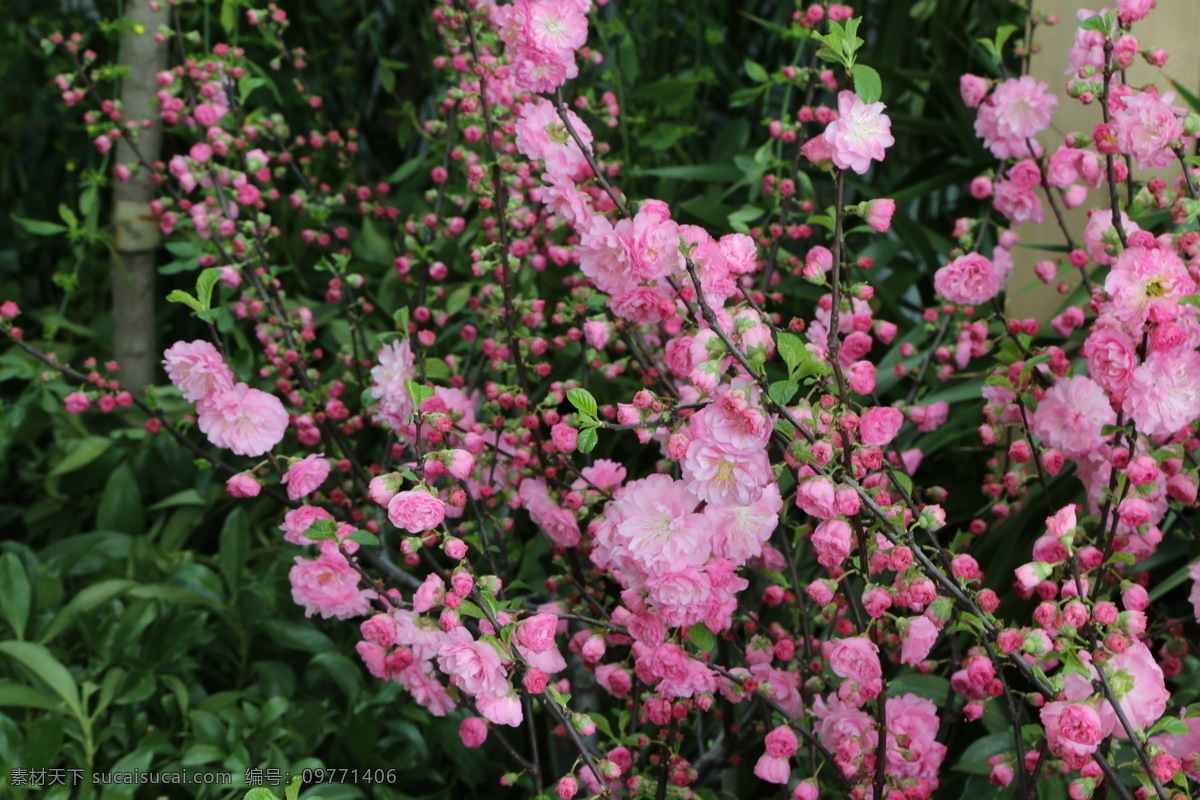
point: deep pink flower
(880, 425)
(243, 485)
(473, 731)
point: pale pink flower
(475, 667)
(304, 477)
(920, 634)
(718, 474)
(1017, 203)
(832, 540)
(659, 526)
(1071, 415)
(541, 135)
(739, 532)
(243, 485)
(1133, 10)
(1164, 394)
(1017, 111)
(1147, 127)
(973, 89)
(1099, 223)
(967, 280)
(299, 520)
(245, 421)
(329, 585)
(1146, 285)
(859, 135)
(879, 214)
(197, 368)
(416, 511)
(1194, 595)
(1073, 729)
(396, 365)
(855, 658)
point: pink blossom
(1073, 729)
(536, 633)
(1111, 355)
(77, 403)
(967, 280)
(880, 425)
(1164, 394)
(299, 520)
(329, 585)
(1133, 10)
(832, 540)
(719, 474)
(1017, 203)
(919, 637)
(416, 511)
(541, 135)
(243, 485)
(855, 658)
(973, 89)
(473, 731)
(859, 135)
(1017, 111)
(1147, 127)
(1070, 416)
(475, 667)
(245, 421)
(396, 365)
(1094, 238)
(197, 368)
(614, 679)
(818, 498)
(879, 214)
(1146, 285)
(303, 477)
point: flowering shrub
(761, 569)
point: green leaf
(756, 72)
(1003, 33)
(204, 286)
(88, 598)
(701, 636)
(39, 227)
(322, 529)
(364, 537)
(180, 296)
(975, 758)
(791, 349)
(867, 84)
(121, 507)
(82, 453)
(228, 16)
(15, 597)
(234, 546)
(259, 793)
(293, 789)
(587, 440)
(418, 393)
(47, 668)
(19, 695)
(1173, 725)
(782, 392)
(296, 635)
(582, 400)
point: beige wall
(1173, 26)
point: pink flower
(1194, 594)
(859, 135)
(197, 368)
(1146, 285)
(832, 540)
(475, 667)
(880, 425)
(1111, 355)
(536, 633)
(541, 135)
(473, 731)
(1164, 394)
(967, 280)
(245, 421)
(1017, 203)
(596, 333)
(1016, 112)
(818, 151)
(299, 520)
(855, 658)
(1071, 415)
(396, 365)
(719, 474)
(329, 585)
(818, 498)
(243, 485)
(305, 476)
(973, 89)
(919, 637)
(879, 214)
(1146, 128)
(1095, 240)
(614, 679)
(1073, 730)
(77, 403)
(1133, 10)
(416, 511)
